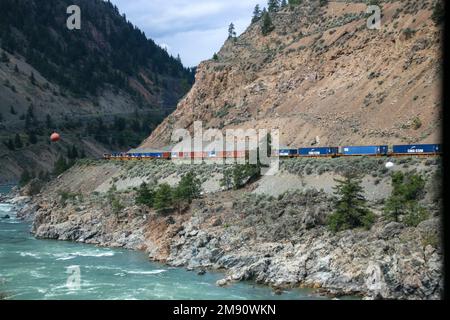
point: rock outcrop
(322, 75)
(281, 241)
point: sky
(194, 29)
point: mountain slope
(104, 87)
(322, 77)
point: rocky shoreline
(288, 248)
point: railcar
(318, 152)
(417, 149)
(363, 151)
(287, 153)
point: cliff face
(106, 69)
(323, 76)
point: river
(32, 269)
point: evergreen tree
(273, 5)
(267, 25)
(4, 58)
(294, 2)
(32, 78)
(231, 31)
(283, 4)
(1, 117)
(351, 211)
(12, 110)
(188, 189)
(18, 141)
(215, 57)
(48, 122)
(10, 145)
(407, 190)
(438, 14)
(25, 177)
(145, 195)
(163, 197)
(256, 14)
(32, 138)
(72, 153)
(16, 69)
(60, 166)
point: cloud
(192, 29)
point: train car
(363, 151)
(135, 156)
(417, 149)
(318, 152)
(286, 152)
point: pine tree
(48, 121)
(18, 141)
(256, 14)
(25, 177)
(32, 138)
(351, 211)
(215, 57)
(10, 144)
(267, 25)
(12, 110)
(273, 5)
(60, 166)
(32, 78)
(145, 195)
(231, 31)
(163, 197)
(283, 4)
(4, 58)
(406, 191)
(438, 14)
(188, 189)
(294, 2)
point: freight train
(319, 152)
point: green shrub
(415, 214)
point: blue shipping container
(314, 152)
(364, 150)
(287, 152)
(417, 149)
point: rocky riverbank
(281, 241)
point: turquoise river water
(33, 269)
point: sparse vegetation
(239, 175)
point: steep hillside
(322, 77)
(103, 87)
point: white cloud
(193, 29)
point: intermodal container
(287, 152)
(363, 150)
(417, 149)
(318, 152)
